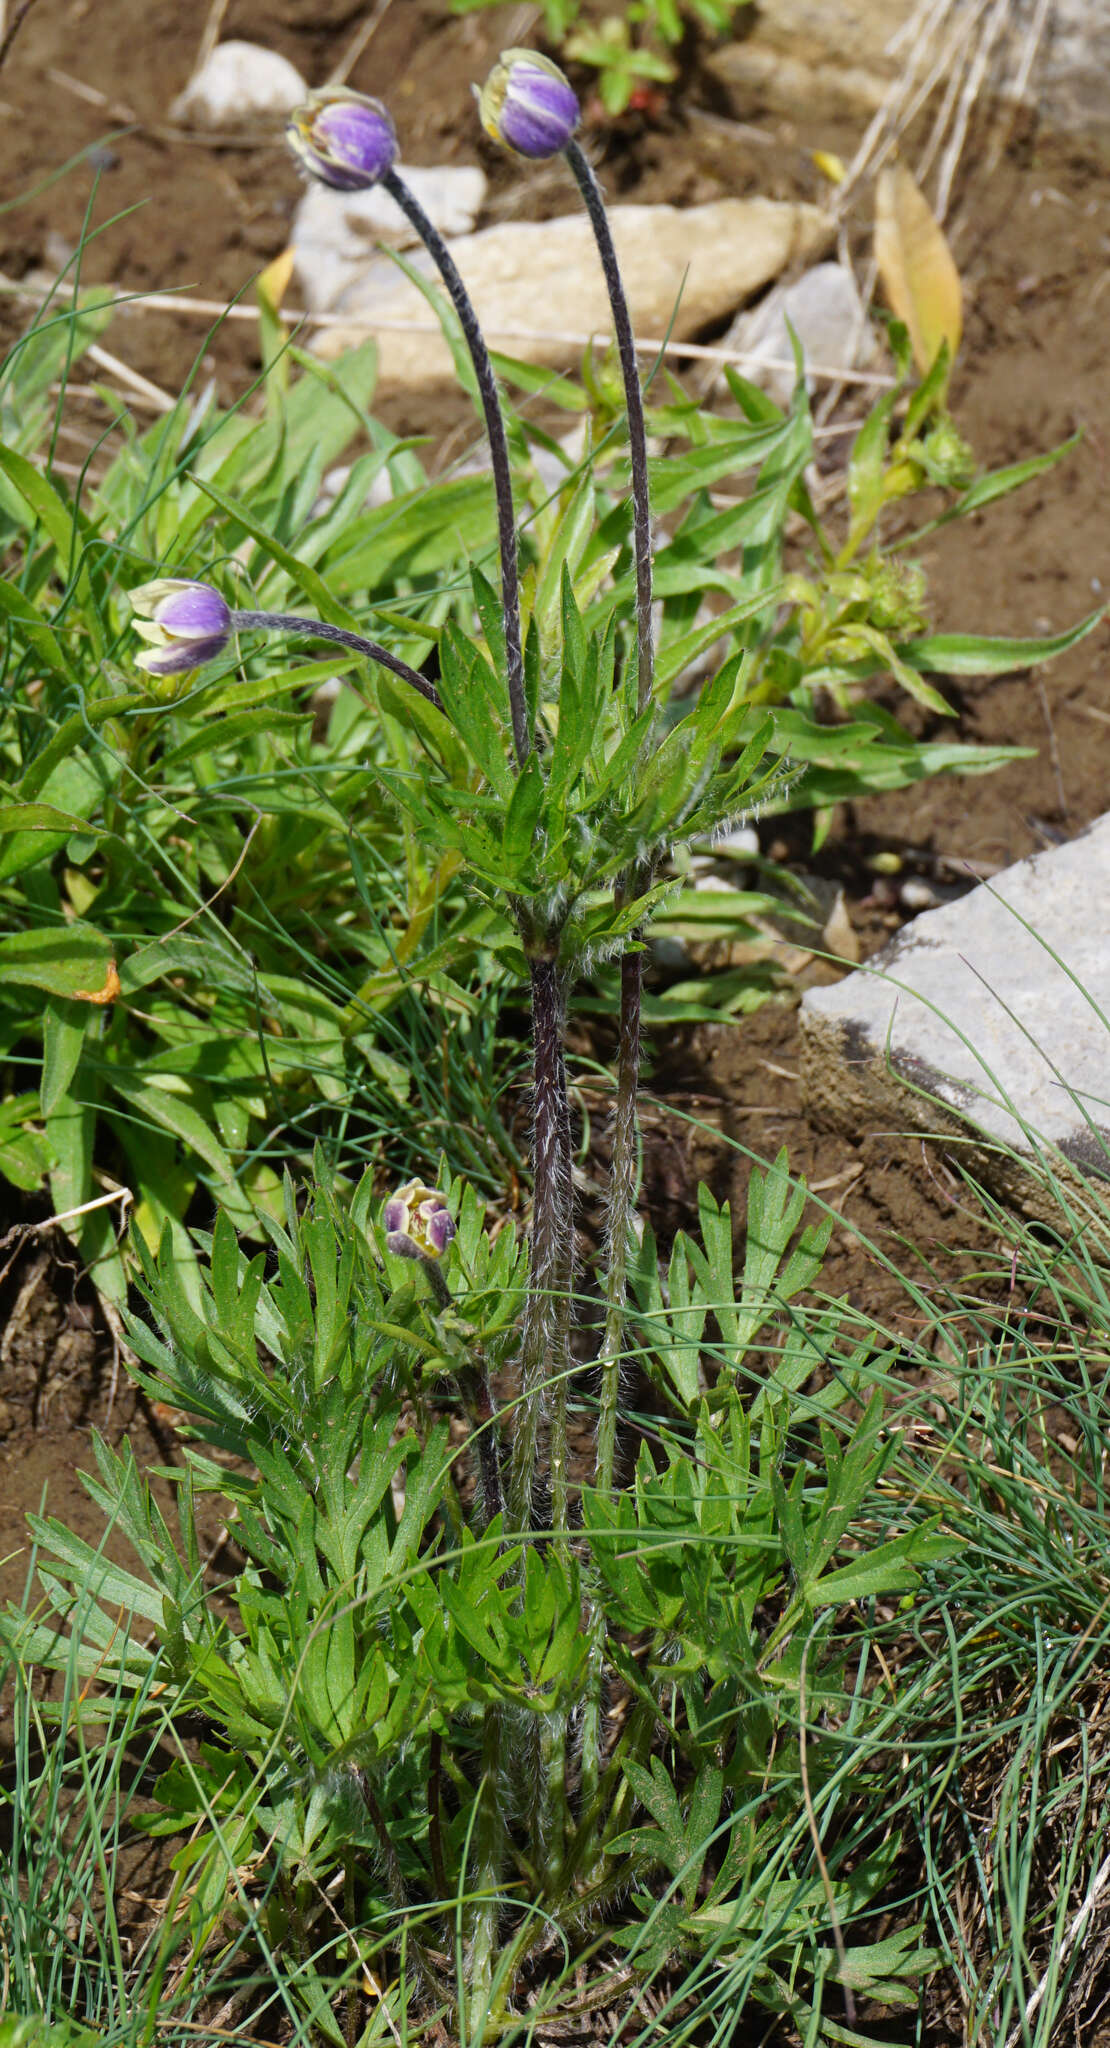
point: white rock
(335, 234)
(967, 1020)
(741, 845)
(828, 316)
(539, 290)
(239, 84)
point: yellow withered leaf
(914, 261)
(273, 282)
(107, 994)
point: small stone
(967, 1022)
(828, 316)
(240, 83)
(335, 235)
(916, 895)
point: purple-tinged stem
(545, 1338)
(623, 1170)
(587, 184)
(319, 629)
(498, 447)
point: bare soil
(92, 80)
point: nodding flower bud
(186, 624)
(344, 139)
(527, 105)
(420, 1216)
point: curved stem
(319, 629)
(498, 447)
(634, 399)
(545, 1338)
(622, 1174)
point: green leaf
(865, 464)
(43, 818)
(998, 483)
(522, 817)
(892, 1567)
(64, 960)
(970, 654)
(40, 2033)
(63, 1035)
(28, 620)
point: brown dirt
(1032, 237)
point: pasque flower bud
(343, 138)
(527, 105)
(186, 624)
(421, 1216)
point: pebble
(917, 895)
(240, 83)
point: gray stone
(538, 286)
(335, 234)
(239, 84)
(967, 1023)
(828, 316)
(1073, 79)
(836, 59)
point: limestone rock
(240, 84)
(816, 59)
(828, 316)
(967, 1021)
(819, 60)
(335, 233)
(535, 283)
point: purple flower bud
(344, 139)
(185, 624)
(527, 105)
(401, 1245)
(434, 1226)
(421, 1217)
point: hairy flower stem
(545, 1340)
(489, 1845)
(498, 447)
(623, 1170)
(637, 432)
(622, 1196)
(319, 629)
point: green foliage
(438, 1755)
(624, 48)
(351, 1668)
(289, 891)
